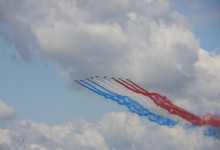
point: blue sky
(38, 93)
(150, 43)
(204, 16)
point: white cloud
(6, 112)
(86, 37)
(205, 88)
(210, 64)
(115, 131)
(5, 138)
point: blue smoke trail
(213, 132)
(95, 91)
(132, 105)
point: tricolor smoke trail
(138, 100)
(163, 102)
(131, 104)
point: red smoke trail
(163, 102)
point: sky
(168, 46)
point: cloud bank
(113, 132)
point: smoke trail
(131, 104)
(163, 102)
(144, 101)
(109, 90)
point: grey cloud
(15, 31)
(88, 47)
(87, 37)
